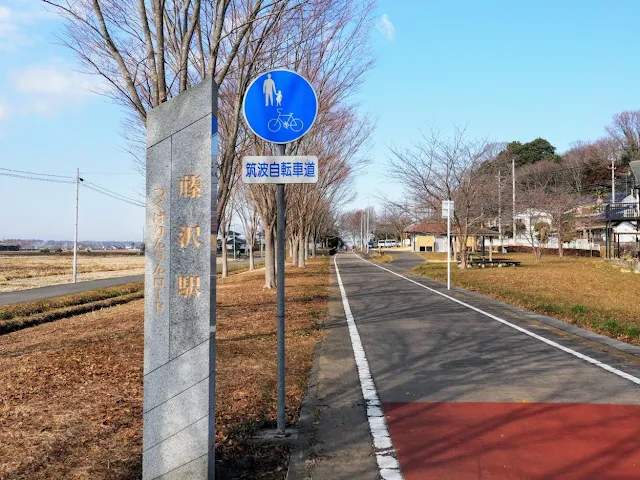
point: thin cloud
(16, 20)
(386, 28)
(48, 88)
(4, 111)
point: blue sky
(510, 70)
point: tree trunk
(560, 246)
(313, 248)
(252, 263)
(538, 253)
(463, 252)
(306, 247)
(294, 251)
(225, 262)
(269, 258)
(301, 257)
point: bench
(496, 262)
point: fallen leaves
(71, 397)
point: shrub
(567, 252)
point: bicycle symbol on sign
(286, 121)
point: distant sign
(447, 208)
(280, 169)
(280, 106)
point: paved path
(466, 396)
(52, 291)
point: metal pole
(280, 253)
(368, 227)
(449, 247)
(75, 235)
(513, 179)
(500, 208)
(613, 180)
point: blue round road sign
(280, 106)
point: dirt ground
(19, 272)
(71, 401)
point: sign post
(447, 211)
(280, 106)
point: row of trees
(148, 51)
(388, 221)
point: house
(623, 221)
(9, 247)
(432, 237)
(234, 242)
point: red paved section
(500, 441)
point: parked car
(389, 243)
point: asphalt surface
(468, 397)
(45, 293)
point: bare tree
(149, 51)
(549, 203)
(350, 223)
(625, 131)
(391, 219)
(440, 168)
(246, 210)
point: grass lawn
(71, 397)
(584, 291)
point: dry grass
(584, 291)
(384, 258)
(21, 315)
(18, 272)
(71, 402)
(434, 257)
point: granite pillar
(179, 324)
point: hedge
(567, 252)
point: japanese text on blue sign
(280, 169)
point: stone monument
(179, 322)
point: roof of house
(440, 228)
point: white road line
(385, 453)
(581, 356)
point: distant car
(389, 243)
(380, 243)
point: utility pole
(368, 226)
(500, 208)
(75, 234)
(613, 179)
(513, 179)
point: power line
(35, 173)
(112, 192)
(35, 178)
(108, 193)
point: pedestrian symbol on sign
(280, 106)
(269, 88)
